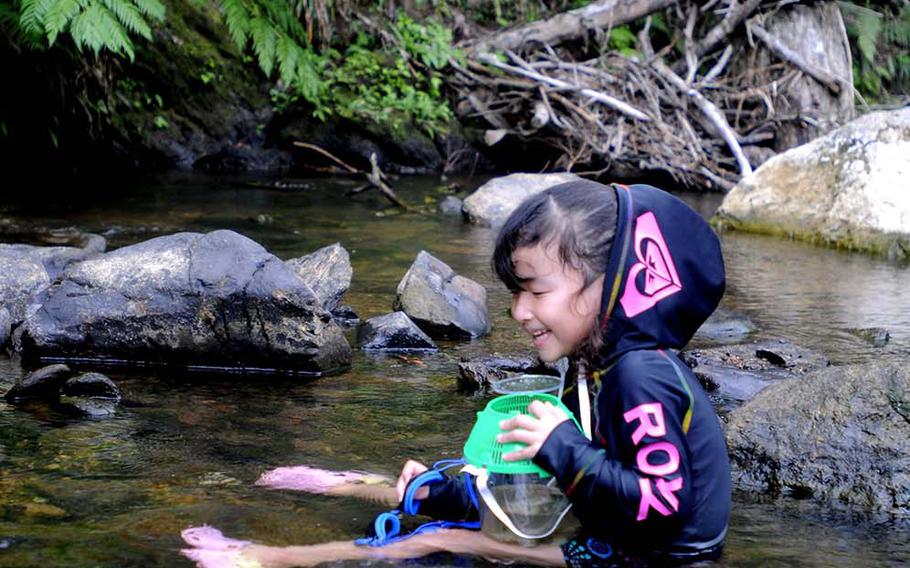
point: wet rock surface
(450, 205)
(93, 385)
(6, 321)
(216, 299)
(327, 272)
(22, 276)
(440, 302)
(44, 384)
(733, 374)
(837, 434)
(479, 374)
(725, 326)
(393, 332)
(495, 200)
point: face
(552, 306)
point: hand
(530, 430)
(411, 470)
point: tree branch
(782, 51)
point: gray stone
(450, 205)
(495, 200)
(846, 189)
(393, 332)
(45, 383)
(216, 299)
(22, 276)
(6, 322)
(440, 302)
(479, 374)
(327, 272)
(89, 407)
(725, 326)
(94, 385)
(839, 434)
(733, 374)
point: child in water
(612, 277)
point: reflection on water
(185, 449)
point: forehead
(536, 260)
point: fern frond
(32, 15)
(129, 17)
(58, 17)
(264, 43)
(237, 18)
(151, 8)
(287, 53)
(96, 28)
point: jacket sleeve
(646, 481)
(450, 500)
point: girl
(612, 277)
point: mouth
(540, 336)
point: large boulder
(327, 272)
(393, 332)
(6, 322)
(847, 188)
(495, 200)
(440, 302)
(216, 299)
(840, 434)
(22, 276)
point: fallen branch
(790, 56)
(572, 24)
(349, 168)
(375, 176)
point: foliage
(880, 34)
(94, 24)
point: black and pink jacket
(656, 477)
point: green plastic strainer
(482, 449)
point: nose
(520, 311)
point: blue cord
(387, 526)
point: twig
(599, 96)
(375, 177)
(350, 169)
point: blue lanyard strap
(386, 527)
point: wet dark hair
(578, 218)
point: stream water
(184, 449)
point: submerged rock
(450, 205)
(479, 374)
(44, 384)
(215, 299)
(6, 322)
(846, 188)
(495, 200)
(327, 272)
(733, 374)
(725, 326)
(839, 434)
(94, 385)
(876, 336)
(440, 302)
(393, 332)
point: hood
(665, 275)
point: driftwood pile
(697, 105)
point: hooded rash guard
(655, 478)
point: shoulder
(645, 373)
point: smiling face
(553, 306)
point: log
(782, 51)
(570, 25)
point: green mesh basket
(482, 449)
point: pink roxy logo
(660, 278)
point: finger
(523, 436)
(520, 421)
(522, 454)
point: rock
(327, 272)
(393, 332)
(495, 200)
(88, 407)
(839, 434)
(94, 385)
(450, 205)
(345, 316)
(22, 276)
(733, 374)
(55, 259)
(45, 383)
(876, 336)
(440, 302)
(479, 374)
(845, 189)
(216, 299)
(725, 326)
(6, 322)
